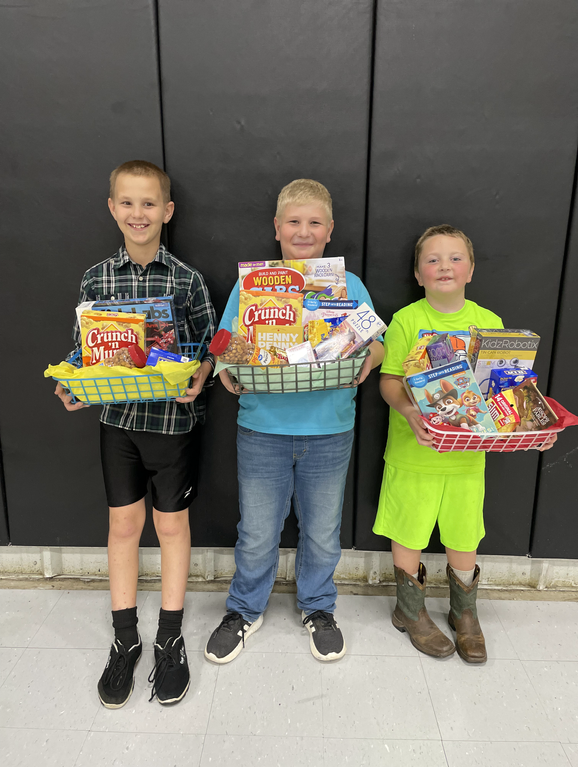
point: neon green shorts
(410, 504)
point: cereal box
(103, 333)
(451, 392)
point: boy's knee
(171, 525)
(125, 527)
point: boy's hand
(195, 388)
(226, 381)
(550, 444)
(419, 428)
(66, 399)
(366, 368)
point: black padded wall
(254, 95)
(555, 519)
(473, 125)
(79, 85)
(429, 111)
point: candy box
(493, 349)
(440, 351)
(508, 378)
(534, 411)
(502, 408)
(103, 333)
(451, 392)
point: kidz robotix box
(450, 395)
(492, 349)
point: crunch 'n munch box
(104, 333)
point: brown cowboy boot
(410, 615)
(463, 618)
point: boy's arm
(394, 394)
(374, 359)
(85, 294)
(201, 317)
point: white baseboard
(359, 567)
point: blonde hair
(448, 231)
(304, 191)
(141, 168)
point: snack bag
(103, 333)
(417, 360)
(534, 411)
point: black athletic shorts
(130, 458)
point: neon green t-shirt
(409, 324)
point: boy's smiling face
(303, 231)
(444, 266)
(139, 209)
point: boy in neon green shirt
(420, 486)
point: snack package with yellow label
(417, 361)
(502, 408)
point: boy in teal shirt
(420, 486)
(291, 445)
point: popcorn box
(270, 318)
(104, 333)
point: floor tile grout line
(16, 662)
(81, 749)
(432, 705)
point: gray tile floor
(383, 704)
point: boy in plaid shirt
(155, 440)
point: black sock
(169, 625)
(125, 625)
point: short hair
(141, 168)
(304, 191)
(448, 231)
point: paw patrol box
(451, 396)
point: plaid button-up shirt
(119, 277)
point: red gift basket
(447, 439)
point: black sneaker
(170, 676)
(227, 641)
(326, 640)
(117, 681)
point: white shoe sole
(174, 700)
(121, 705)
(332, 656)
(232, 655)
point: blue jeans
(272, 468)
